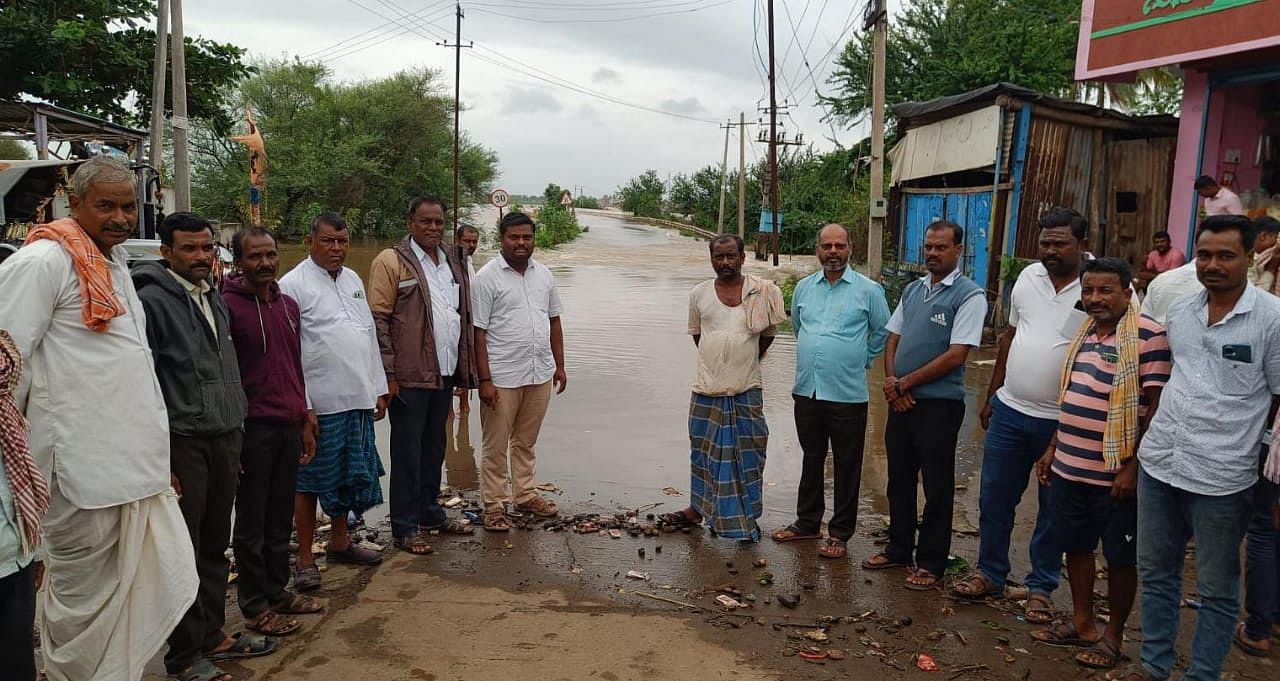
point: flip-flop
(921, 573)
(1134, 671)
(1248, 645)
(202, 670)
(354, 554)
(245, 645)
(1062, 635)
(792, 533)
(452, 526)
(416, 545)
(271, 623)
(885, 563)
(306, 578)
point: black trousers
(921, 445)
(207, 469)
(264, 513)
(418, 445)
(17, 622)
(840, 427)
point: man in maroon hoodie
(279, 433)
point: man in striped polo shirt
(1115, 369)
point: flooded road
(618, 435)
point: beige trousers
(512, 425)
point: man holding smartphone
(1199, 458)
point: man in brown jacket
(420, 294)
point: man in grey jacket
(195, 359)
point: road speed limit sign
(500, 198)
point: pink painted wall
(1233, 123)
(1182, 199)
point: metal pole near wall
(879, 19)
(181, 157)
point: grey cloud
(529, 100)
(605, 74)
(688, 106)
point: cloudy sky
(579, 92)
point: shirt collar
(1243, 306)
(502, 262)
(946, 281)
(421, 254)
(193, 289)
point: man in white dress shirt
(347, 390)
(420, 292)
(519, 348)
(120, 567)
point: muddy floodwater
(618, 435)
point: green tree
(362, 149)
(945, 47)
(551, 195)
(12, 150)
(96, 56)
(642, 196)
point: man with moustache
(839, 317)
(188, 329)
(1200, 456)
(937, 322)
(1116, 366)
(733, 320)
(1021, 412)
(420, 294)
(279, 432)
(116, 548)
(347, 389)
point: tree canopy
(642, 195)
(96, 56)
(362, 149)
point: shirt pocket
(1238, 379)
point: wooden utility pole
(155, 151)
(773, 144)
(742, 174)
(877, 18)
(724, 179)
(181, 158)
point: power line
(607, 20)
(374, 41)
(384, 28)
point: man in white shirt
(346, 388)
(120, 567)
(1218, 200)
(1021, 413)
(420, 293)
(1168, 287)
(519, 347)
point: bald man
(841, 320)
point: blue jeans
(1167, 518)
(1262, 564)
(1013, 444)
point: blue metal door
(918, 211)
(977, 224)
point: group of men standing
(139, 408)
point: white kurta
(121, 570)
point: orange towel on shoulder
(96, 289)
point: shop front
(1228, 53)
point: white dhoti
(117, 581)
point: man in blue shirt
(840, 319)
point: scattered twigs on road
(967, 669)
(672, 601)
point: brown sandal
(452, 526)
(833, 548)
(792, 533)
(1250, 646)
(496, 521)
(974, 586)
(1064, 635)
(881, 561)
(297, 604)
(921, 579)
(1039, 609)
(416, 545)
(539, 507)
(271, 623)
(1102, 655)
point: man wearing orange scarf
(120, 571)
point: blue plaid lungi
(345, 474)
(728, 437)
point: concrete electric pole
(155, 151)
(724, 178)
(776, 236)
(181, 157)
(877, 18)
(742, 174)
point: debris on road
(635, 574)
(925, 663)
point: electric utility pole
(878, 18)
(181, 158)
(776, 236)
(742, 174)
(724, 178)
(457, 111)
(155, 152)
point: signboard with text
(1119, 37)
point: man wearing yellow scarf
(1116, 366)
